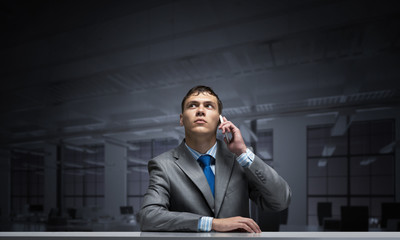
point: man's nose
(200, 111)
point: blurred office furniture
(53, 213)
(36, 218)
(325, 220)
(85, 219)
(55, 222)
(128, 215)
(126, 210)
(390, 218)
(5, 224)
(36, 208)
(284, 216)
(71, 213)
(271, 221)
(31, 218)
(332, 225)
(66, 222)
(354, 218)
(36, 213)
(324, 210)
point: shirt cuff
(246, 159)
(205, 224)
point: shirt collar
(212, 151)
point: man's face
(200, 114)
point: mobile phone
(226, 134)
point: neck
(201, 145)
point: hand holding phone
(226, 134)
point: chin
(201, 130)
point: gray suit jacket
(179, 194)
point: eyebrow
(197, 102)
(210, 102)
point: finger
(253, 225)
(256, 227)
(222, 125)
(230, 124)
(225, 128)
(246, 227)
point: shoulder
(170, 155)
(166, 156)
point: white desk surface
(213, 235)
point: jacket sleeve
(154, 214)
(267, 189)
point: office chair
(390, 210)
(324, 210)
(354, 218)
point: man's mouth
(200, 121)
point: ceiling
(85, 72)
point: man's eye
(209, 106)
(192, 105)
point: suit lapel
(192, 169)
(223, 170)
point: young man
(188, 193)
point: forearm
(155, 219)
(267, 188)
(235, 224)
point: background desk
(194, 236)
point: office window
(354, 169)
(27, 182)
(83, 177)
(138, 177)
(264, 146)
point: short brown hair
(201, 89)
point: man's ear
(181, 119)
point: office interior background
(91, 91)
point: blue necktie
(205, 161)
